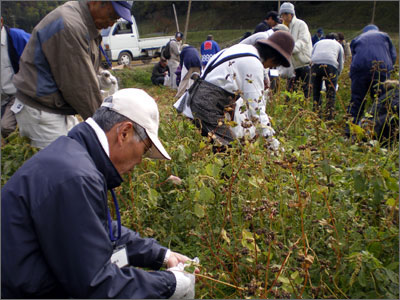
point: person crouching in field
(231, 88)
(159, 75)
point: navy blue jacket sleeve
(20, 38)
(142, 252)
(72, 230)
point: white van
(122, 43)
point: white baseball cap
(139, 107)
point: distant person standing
(57, 78)
(271, 20)
(318, 36)
(373, 57)
(13, 41)
(327, 64)
(345, 45)
(208, 48)
(301, 57)
(173, 61)
(160, 72)
(189, 63)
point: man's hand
(176, 258)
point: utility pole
(187, 21)
(373, 13)
(176, 18)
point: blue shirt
(207, 50)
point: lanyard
(112, 238)
(105, 56)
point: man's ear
(124, 131)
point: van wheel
(146, 60)
(124, 58)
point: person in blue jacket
(373, 57)
(57, 236)
(318, 36)
(207, 49)
(189, 64)
(13, 41)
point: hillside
(245, 15)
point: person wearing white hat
(301, 57)
(58, 237)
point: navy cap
(123, 9)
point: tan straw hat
(282, 42)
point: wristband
(166, 258)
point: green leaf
(361, 278)
(199, 211)
(206, 195)
(326, 168)
(359, 182)
(391, 202)
(212, 170)
(294, 275)
(153, 195)
(283, 279)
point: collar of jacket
(87, 18)
(294, 19)
(86, 136)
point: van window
(105, 32)
(123, 28)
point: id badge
(120, 257)
(17, 106)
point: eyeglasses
(143, 137)
(148, 147)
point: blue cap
(370, 27)
(123, 9)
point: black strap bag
(208, 103)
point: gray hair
(107, 119)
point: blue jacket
(54, 229)
(370, 46)
(16, 40)
(208, 49)
(190, 58)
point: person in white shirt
(301, 57)
(327, 64)
(174, 60)
(232, 89)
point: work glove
(184, 282)
(273, 144)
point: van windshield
(105, 32)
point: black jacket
(54, 229)
(262, 26)
(158, 71)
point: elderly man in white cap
(57, 76)
(301, 57)
(58, 237)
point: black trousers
(328, 74)
(302, 79)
